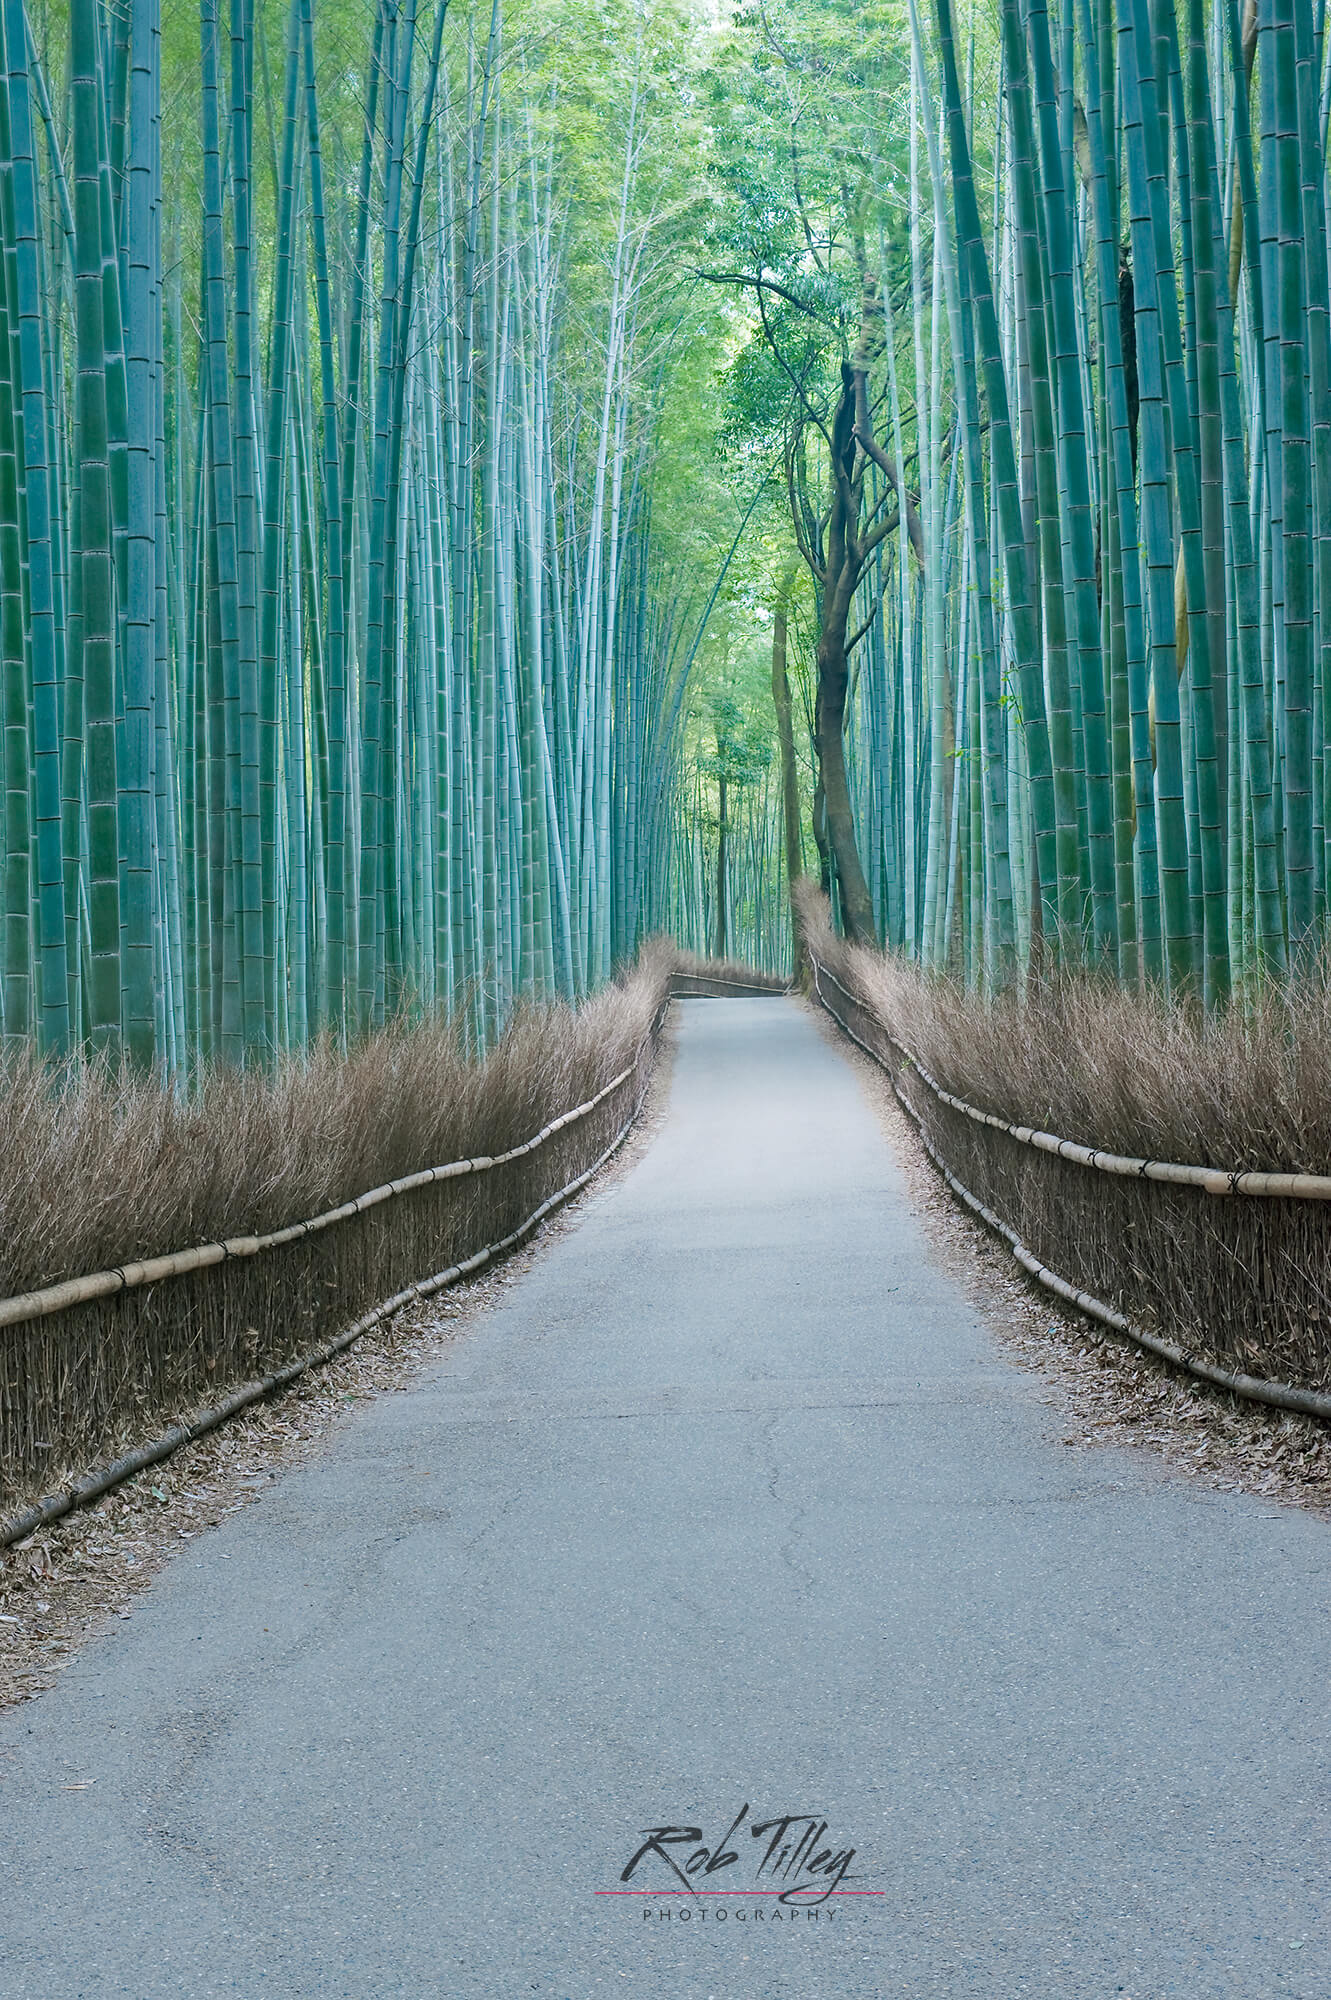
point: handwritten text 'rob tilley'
(794, 1855)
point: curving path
(730, 1503)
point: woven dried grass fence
(1227, 1274)
(91, 1363)
(702, 986)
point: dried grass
(60, 1586)
(1245, 1281)
(692, 965)
(98, 1168)
(1108, 1391)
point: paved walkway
(730, 1504)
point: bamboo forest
(665, 998)
(483, 485)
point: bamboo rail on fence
(1298, 1187)
(682, 985)
(1211, 1180)
(99, 1287)
(92, 1485)
(112, 1289)
(151, 1270)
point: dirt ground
(68, 1581)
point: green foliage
(741, 751)
(404, 529)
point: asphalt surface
(731, 1502)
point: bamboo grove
(341, 665)
(1072, 262)
(1148, 319)
(384, 382)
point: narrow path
(731, 1501)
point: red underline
(732, 1892)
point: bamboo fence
(86, 1364)
(705, 986)
(1224, 1273)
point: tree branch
(762, 284)
(868, 444)
(786, 368)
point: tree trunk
(856, 903)
(819, 820)
(790, 793)
(722, 924)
